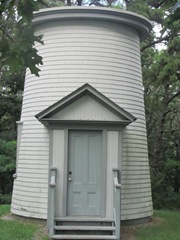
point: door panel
(84, 173)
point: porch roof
(49, 115)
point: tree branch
(155, 42)
(7, 34)
(174, 96)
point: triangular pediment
(85, 105)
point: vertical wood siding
(105, 55)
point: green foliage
(172, 169)
(7, 156)
(11, 88)
(53, 3)
(7, 168)
(162, 84)
(159, 190)
(5, 198)
(17, 48)
(171, 21)
(172, 201)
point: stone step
(87, 237)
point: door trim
(65, 194)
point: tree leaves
(17, 39)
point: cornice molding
(136, 21)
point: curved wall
(105, 54)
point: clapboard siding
(106, 55)
(131, 213)
(41, 199)
(30, 205)
(30, 189)
(31, 185)
(26, 180)
(135, 187)
(35, 195)
(135, 182)
(132, 88)
(136, 205)
(128, 203)
(135, 194)
(135, 167)
(112, 79)
(35, 170)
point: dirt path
(128, 233)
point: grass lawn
(165, 226)
(18, 230)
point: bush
(5, 198)
(7, 168)
(172, 201)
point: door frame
(63, 151)
(104, 169)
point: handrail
(117, 202)
(51, 202)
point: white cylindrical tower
(98, 46)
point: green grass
(17, 230)
(4, 209)
(166, 226)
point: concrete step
(85, 237)
(83, 219)
(85, 228)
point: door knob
(70, 179)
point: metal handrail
(117, 202)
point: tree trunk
(176, 185)
(69, 2)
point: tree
(17, 39)
(17, 52)
(162, 84)
(11, 89)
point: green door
(85, 173)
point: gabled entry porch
(85, 130)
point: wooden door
(85, 173)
